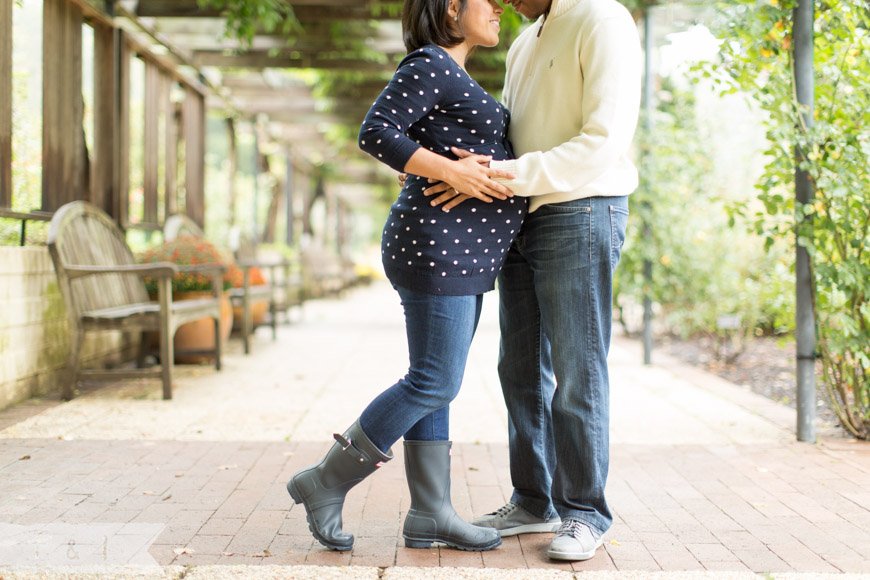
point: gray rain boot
(322, 487)
(432, 517)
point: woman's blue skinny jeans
(439, 329)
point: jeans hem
(534, 506)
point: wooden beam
(264, 60)
(306, 42)
(191, 9)
(304, 118)
(213, 28)
(266, 92)
(356, 13)
(6, 103)
(92, 12)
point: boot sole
(427, 543)
(298, 498)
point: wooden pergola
(190, 68)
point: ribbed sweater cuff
(509, 165)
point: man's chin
(523, 10)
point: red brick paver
(704, 475)
(758, 508)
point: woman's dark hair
(427, 22)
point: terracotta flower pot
(258, 313)
(199, 334)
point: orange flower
(185, 251)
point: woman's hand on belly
(450, 196)
(470, 174)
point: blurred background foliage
(715, 212)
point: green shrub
(703, 268)
(758, 59)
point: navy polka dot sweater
(431, 102)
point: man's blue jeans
(555, 293)
(439, 329)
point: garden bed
(766, 367)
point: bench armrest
(154, 270)
(203, 268)
(280, 263)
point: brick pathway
(705, 476)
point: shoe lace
(505, 510)
(571, 527)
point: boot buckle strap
(347, 447)
(345, 443)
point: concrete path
(706, 478)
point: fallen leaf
(25, 458)
(179, 551)
(167, 497)
(614, 543)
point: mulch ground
(766, 365)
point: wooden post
(62, 104)
(233, 159)
(170, 148)
(6, 103)
(123, 132)
(105, 118)
(151, 142)
(194, 134)
(255, 224)
(289, 187)
(167, 353)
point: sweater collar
(559, 7)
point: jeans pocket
(618, 223)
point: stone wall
(34, 329)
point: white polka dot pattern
(424, 248)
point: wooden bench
(103, 289)
(180, 225)
(324, 272)
(285, 276)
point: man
(573, 88)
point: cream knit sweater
(573, 89)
